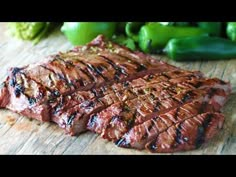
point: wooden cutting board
(21, 135)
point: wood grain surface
(21, 135)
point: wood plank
(21, 135)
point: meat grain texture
(130, 98)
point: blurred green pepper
(176, 23)
(200, 47)
(231, 30)
(213, 28)
(28, 30)
(120, 29)
(80, 33)
(153, 37)
(132, 28)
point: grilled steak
(83, 105)
(116, 119)
(188, 134)
(128, 97)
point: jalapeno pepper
(153, 37)
(213, 28)
(80, 33)
(200, 47)
(132, 28)
(231, 30)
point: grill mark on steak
(122, 59)
(217, 83)
(124, 118)
(84, 113)
(86, 108)
(58, 106)
(187, 96)
(71, 118)
(115, 66)
(92, 70)
(176, 113)
(60, 76)
(166, 75)
(52, 98)
(119, 71)
(178, 137)
(186, 111)
(157, 107)
(133, 84)
(48, 79)
(61, 68)
(84, 69)
(14, 71)
(197, 84)
(93, 119)
(189, 133)
(87, 74)
(19, 87)
(91, 78)
(137, 136)
(96, 94)
(122, 95)
(140, 67)
(201, 131)
(161, 66)
(150, 127)
(113, 57)
(29, 94)
(204, 98)
(139, 143)
(73, 75)
(152, 88)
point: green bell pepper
(153, 37)
(213, 28)
(200, 47)
(80, 33)
(231, 30)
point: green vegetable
(176, 23)
(153, 37)
(213, 28)
(200, 47)
(132, 28)
(231, 30)
(29, 30)
(120, 29)
(126, 41)
(80, 33)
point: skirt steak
(130, 98)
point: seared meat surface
(130, 98)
